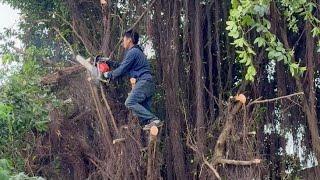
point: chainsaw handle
(100, 58)
(104, 59)
(107, 81)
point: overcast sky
(8, 17)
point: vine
(248, 15)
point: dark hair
(133, 35)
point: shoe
(155, 122)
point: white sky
(8, 17)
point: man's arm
(124, 66)
(113, 64)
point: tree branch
(275, 99)
(109, 109)
(66, 41)
(240, 163)
(136, 23)
(210, 166)
(75, 32)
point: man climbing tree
(137, 67)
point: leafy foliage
(22, 105)
(6, 172)
(246, 15)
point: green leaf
(260, 10)
(279, 58)
(292, 71)
(260, 41)
(239, 42)
(248, 20)
(235, 13)
(285, 59)
(248, 61)
(277, 54)
(234, 3)
(4, 174)
(230, 25)
(271, 54)
(7, 58)
(234, 33)
(251, 72)
(250, 50)
(5, 164)
(311, 6)
(315, 32)
(299, 10)
(41, 126)
(281, 49)
(243, 56)
(266, 23)
(243, 60)
(302, 70)
(241, 53)
(294, 68)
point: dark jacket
(135, 64)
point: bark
(152, 170)
(198, 74)
(218, 51)
(106, 14)
(80, 27)
(170, 63)
(309, 101)
(210, 60)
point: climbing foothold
(242, 98)
(154, 131)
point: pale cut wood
(85, 62)
(154, 131)
(118, 140)
(152, 150)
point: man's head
(130, 38)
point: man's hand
(133, 82)
(97, 59)
(107, 75)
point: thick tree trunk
(170, 63)
(309, 103)
(198, 74)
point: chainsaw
(99, 67)
(96, 69)
(101, 64)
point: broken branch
(275, 99)
(109, 109)
(118, 140)
(241, 163)
(57, 76)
